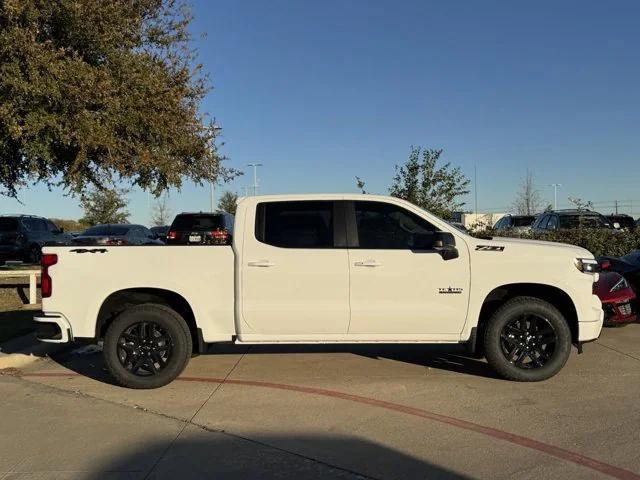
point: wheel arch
(549, 293)
(119, 300)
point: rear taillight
(172, 235)
(220, 236)
(605, 264)
(46, 284)
(116, 241)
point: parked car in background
(625, 222)
(617, 297)
(628, 266)
(517, 223)
(23, 236)
(117, 234)
(459, 226)
(161, 232)
(568, 219)
(201, 229)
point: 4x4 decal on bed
(490, 248)
(89, 250)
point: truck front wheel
(147, 346)
(527, 340)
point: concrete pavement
(329, 412)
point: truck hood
(541, 245)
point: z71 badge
(490, 248)
(450, 290)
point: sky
(321, 92)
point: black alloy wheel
(144, 349)
(528, 341)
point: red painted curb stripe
(558, 452)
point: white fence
(33, 284)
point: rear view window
(107, 230)
(8, 224)
(305, 224)
(197, 222)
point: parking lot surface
(382, 412)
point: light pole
(555, 194)
(212, 193)
(255, 176)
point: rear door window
(303, 224)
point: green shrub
(613, 243)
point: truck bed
(203, 275)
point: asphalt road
(383, 412)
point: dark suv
(201, 229)
(568, 219)
(23, 236)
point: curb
(22, 351)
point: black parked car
(161, 231)
(518, 223)
(201, 229)
(625, 222)
(23, 236)
(117, 234)
(568, 219)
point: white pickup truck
(324, 269)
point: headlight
(587, 265)
(620, 285)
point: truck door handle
(368, 263)
(261, 263)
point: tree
(97, 92)
(436, 189)
(581, 204)
(528, 200)
(161, 212)
(228, 203)
(69, 225)
(361, 184)
(104, 206)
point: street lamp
(255, 176)
(555, 194)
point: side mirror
(445, 245)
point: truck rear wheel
(147, 346)
(527, 340)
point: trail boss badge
(449, 290)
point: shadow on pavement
(13, 324)
(89, 363)
(217, 455)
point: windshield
(100, 230)
(523, 221)
(582, 221)
(197, 222)
(8, 224)
(624, 221)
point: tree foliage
(423, 183)
(528, 200)
(161, 212)
(104, 206)
(69, 225)
(94, 92)
(228, 203)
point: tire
(525, 324)
(147, 346)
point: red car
(617, 298)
